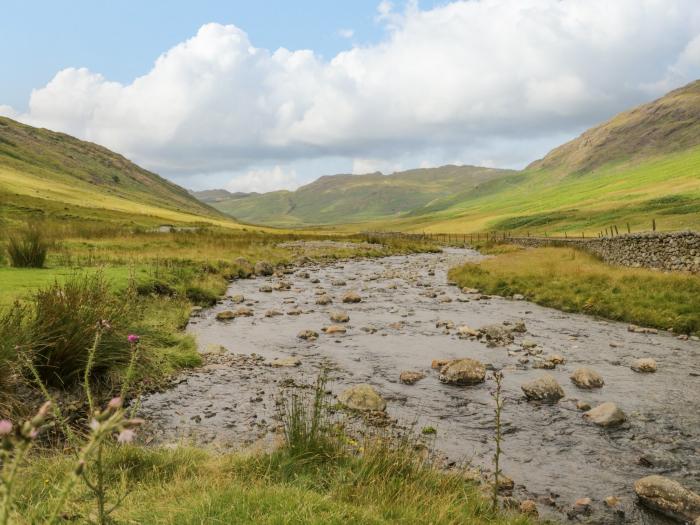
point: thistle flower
(133, 338)
(115, 403)
(5, 427)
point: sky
(268, 95)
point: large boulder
(263, 268)
(587, 378)
(544, 388)
(324, 299)
(606, 415)
(362, 397)
(668, 497)
(463, 372)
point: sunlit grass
(574, 281)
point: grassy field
(573, 281)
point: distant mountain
(214, 196)
(44, 173)
(640, 165)
(335, 199)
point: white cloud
(346, 33)
(7, 111)
(264, 180)
(466, 80)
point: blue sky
(259, 96)
(121, 39)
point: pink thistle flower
(5, 427)
(94, 425)
(126, 436)
(115, 403)
(133, 338)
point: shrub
(59, 326)
(28, 248)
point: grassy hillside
(641, 165)
(53, 175)
(357, 198)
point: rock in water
(644, 365)
(362, 397)
(285, 362)
(606, 415)
(668, 497)
(496, 334)
(308, 335)
(243, 311)
(225, 315)
(339, 316)
(351, 297)
(237, 299)
(334, 329)
(528, 507)
(544, 388)
(263, 268)
(463, 372)
(324, 300)
(587, 378)
(408, 377)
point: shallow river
(551, 452)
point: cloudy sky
(272, 94)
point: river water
(553, 454)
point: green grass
(574, 281)
(190, 486)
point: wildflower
(115, 403)
(94, 424)
(133, 338)
(126, 436)
(5, 427)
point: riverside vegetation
(72, 340)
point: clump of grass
(574, 281)
(60, 325)
(27, 248)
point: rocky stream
(386, 316)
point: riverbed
(552, 453)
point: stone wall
(678, 251)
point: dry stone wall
(675, 251)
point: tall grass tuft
(27, 248)
(58, 327)
(307, 427)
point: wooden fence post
(653, 224)
(628, 228)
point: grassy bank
(574, 281)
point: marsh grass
(574, 281)
(27, 248)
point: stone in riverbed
(362, 397)
(324, 300)
(465, 331)
(243, 311)
(587, 378)
(606, 415)
(463, 372)
(226, 315)
(544, 388)
(644, 365)
(237, 299)
(334, 329)
(409, 377)
(528, 507)
(285, 362)
(263, 268)
(339, 316)
(338, 282)
(273, 313)
(351, 297)
(439, 363)
(496, 334)
(282, 286)
(583, 405)
(668, 497)
(265, 288)
(308, 335)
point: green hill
(53, 175)
(352, 199)
(642, 164)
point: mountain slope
(47, 173)
(639, 166)
(358, 198)
(667, 125)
